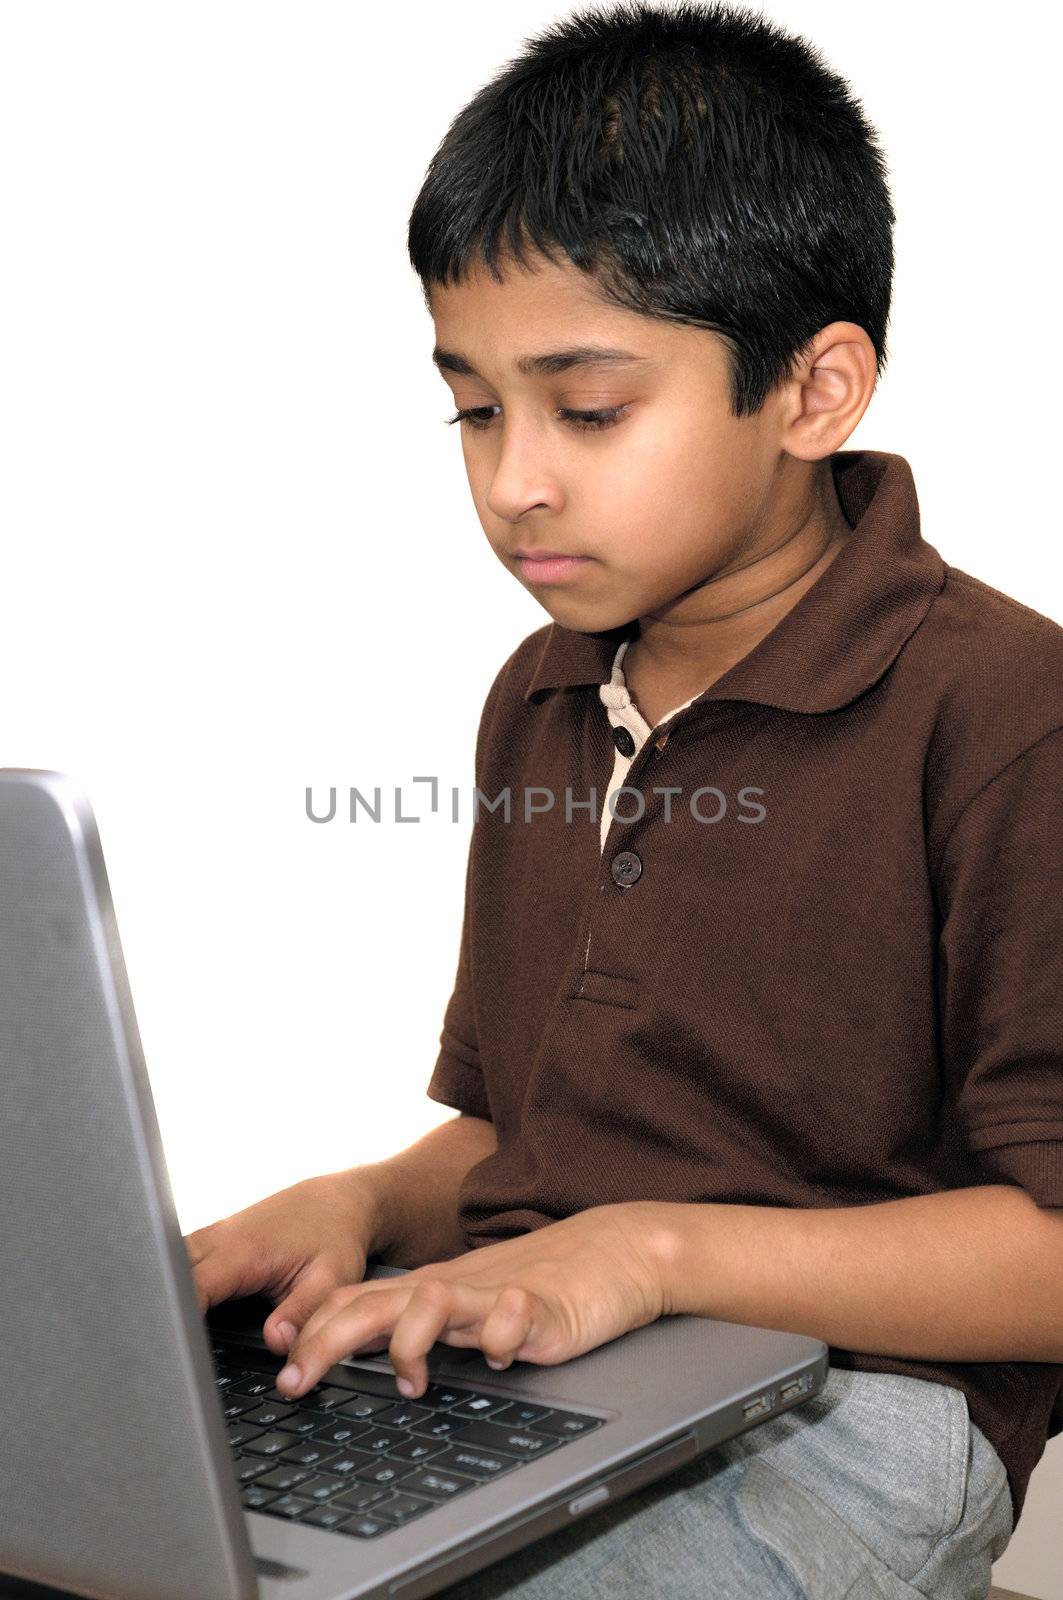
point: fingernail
(286, 1331)
(405, 1386)
(498, 1365)
(289, 1376)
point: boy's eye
(480, 417)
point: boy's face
(672, 493)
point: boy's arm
(415, 1194)
(964, 1275)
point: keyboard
(352, 1456)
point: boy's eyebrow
(546, 365)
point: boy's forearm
(415, 1193)
(964, 1275)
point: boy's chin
(582, 616)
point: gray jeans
(878, 1488)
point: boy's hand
(296, 1246)
(546, 1296)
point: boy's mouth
(549, 567)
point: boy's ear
(829, 392)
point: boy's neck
(675, 654)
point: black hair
(701, 164)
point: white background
(239, 554)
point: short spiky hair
(704, 166)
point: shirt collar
(842, 634)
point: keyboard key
(248, 1469)
(249, 1384)
(384, 1471)
(327, 1399)
(402, 1507)
(237, 1405)
(289, 1505)
(479, 1405)
(380, 1439)
(347, 1462)
(270, 1416)
(476, 1463)
(523, 1442)
(362, 1405)
(239, 1433)
(358, 1497)
(439, 1396)
(519, 1415)
(439, 1427)
(302, 1423)
(273, 1397)
(340, 1432)
(326, 1517)
(285, 1476)
(567, 1424)
(322, 1486)
(437, 1484)
(269, 1444)
(406, 1415)
(255, 1498)
(417, 1449)
(307, 1452)
(364, 1527)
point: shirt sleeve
(457, 1079)
(1000, 892)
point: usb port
(754, 1408)
(788, 1390)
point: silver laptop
(146, 1453)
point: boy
(775, 1033)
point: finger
(223, 1275)
(196, 1251)
(508, 1326)
(309, 1292)
(326, 1306)
(347, 1320)
(372, 1347)
(435, 1308)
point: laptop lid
(78, 1123)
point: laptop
(147, 1454)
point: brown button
(624, 741)
(626, 868)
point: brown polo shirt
(816, 959)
